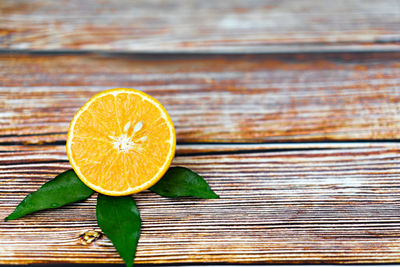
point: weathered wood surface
(302, 148)
(200, 26)
(293, 206)
(255, 98)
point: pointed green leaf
(183, 182)
(65, 188)
(119, 219)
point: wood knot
(90, 236)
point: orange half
(121, 141)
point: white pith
(126, 142)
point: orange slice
(121, 142)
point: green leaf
(183, 182)
(65, 188)
(119, 219)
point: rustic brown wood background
(289, 109)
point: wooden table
(289, 109)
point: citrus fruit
(121, 142)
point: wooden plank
(254, 98)
(200, 26)
(296, 206)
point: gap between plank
(383, 46)
(209, 149)
(225, 143)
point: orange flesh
(122, 142)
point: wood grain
(253, 98)
(338, 205)
(200, 26)
(251, 124)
